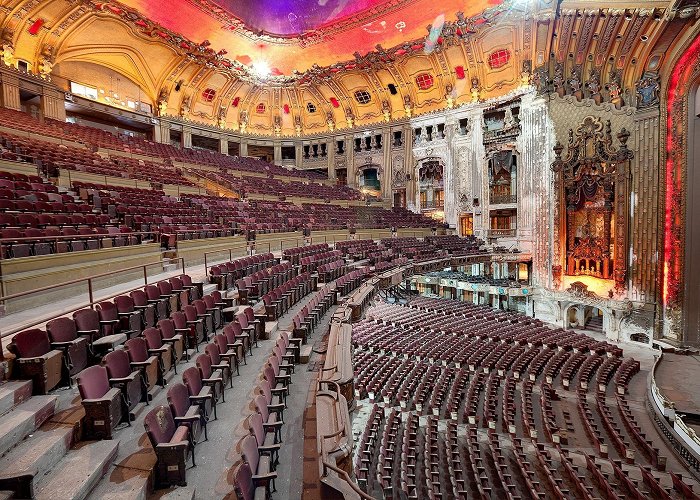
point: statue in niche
(593, 86)
(508, 121)
(647, 89)
(8, 54)
(243, 121)
(541, 80)
(575, 84)
(46, 62)
(407, 105)
(349, 117)
(475, 90)
(277, 122)
(329, 121)
(221, 118)
(185, 107)
(386, 110)
(162, 102)
(526, 73)
(615, 89)
(558, 80)
(449, 96)
(297, 125)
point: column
(277, 153)
(350, 160)
(388, 166)
(186, 137)
(53, 104)
(244, 148)
(10, 91)
(223, 145)
(299, 153)
(161, 132)
(330, 151)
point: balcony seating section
(465, 401)
(456, 245)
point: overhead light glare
(261, 69)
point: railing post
(145, 276)
(90, 297)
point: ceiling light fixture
(261, 69)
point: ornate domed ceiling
(306, 67)
(292, 35)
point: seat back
(165, 288)
(208, 302)
(87, 320)
(242, 320)
(93, 382)
(261, 406)
(178, 399)
(203, 363)
(248, 446)
(139, 297)
(200, 307)
(190, 313)
(153, 338)
(117, 364)
(107, 311)
(124, 303)
(243, 482)
(265, 390)
(221, 341)
(30, 343)
(160, 425)
(179, 319)
(255, 425)
(137, 349)
(62, 330)
(193, 380)
(212, 350)
(152, 292)
(167, 328)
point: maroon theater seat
(36, 360)
(64, 336)
(171, 443)
(137, 349)
(200, 394)
(87, 322)
(126, 378)
(186, 413)
(102, 403)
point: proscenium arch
(691, 305)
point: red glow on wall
(286, 109)
(459, 72)
(675, 154)
(335, 102)
(36, 26)
(235, 102)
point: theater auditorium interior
(367, 249)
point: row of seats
(504, 377)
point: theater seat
(171, 443)
(103, 404)
(36, 360)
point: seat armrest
(276, 408)
(269, 447)
(172, 446)
(273, 425)
(122, 380)
(159, 350)
(108, 321)
(109, 396)
(62, 345)
(182, 330)
(187, 420)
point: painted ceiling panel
(290, 35)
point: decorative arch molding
(683, 79)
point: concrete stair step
(40, 451)
(207, 288)
(77, 474)
(13, 393)
(123, 483)
(25, 419)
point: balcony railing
(501, 233)
(430, 205)
(502, 199)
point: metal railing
(432, 204)
(90, 284)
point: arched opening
(369, 180)
(691, 311)
(593, 318)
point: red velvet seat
(200, 394)
(137, 349)
(186, 413)
(87, 322)
(64, 336)
(126, 378)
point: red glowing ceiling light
(335, 102)
(235, 102)
(286, 109)
(459, 72)
(36, 26)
